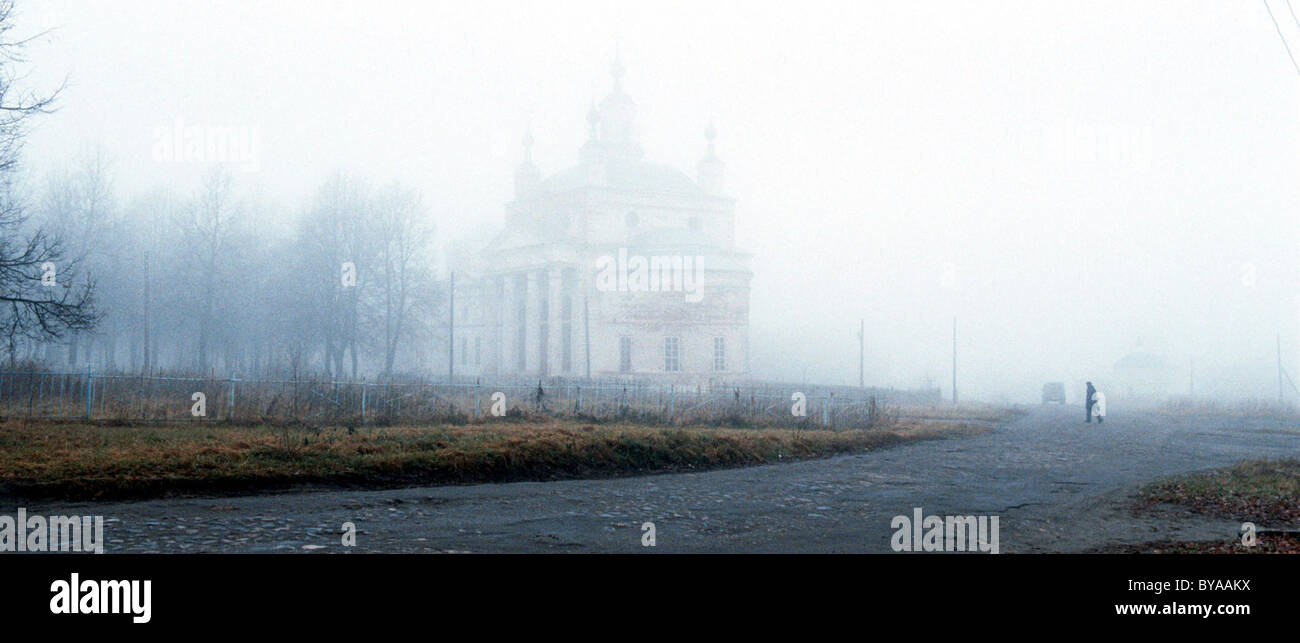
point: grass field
(1266, 492)
(1263, 492)
(78, 460)
(1265, 409)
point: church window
(672, 354)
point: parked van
(1054, 392)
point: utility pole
(451, 330)
(586, 331)
(862, 339)
(954, 360)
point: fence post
(826, 408)
(476, 398)
(363, 403)
(672, 403)
(579, 399)
(90, 389)
(230, 416)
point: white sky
(1068, 179)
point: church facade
(614, 268)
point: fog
(1070, 182)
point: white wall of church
(558, 229)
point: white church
(614, 268)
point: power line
(1293, 18)
(1279, 33)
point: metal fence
(118, 396)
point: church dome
(628, 175)
(617, 113)
(612, 156)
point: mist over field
(1075, 185)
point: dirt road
(1056, 483)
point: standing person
(1087, 403)
(1099, 406)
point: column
(555, 330)
(510, 322)
(497, 356)
(586, 307)
(532, 322)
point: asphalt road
(1055, 483)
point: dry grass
(1248, 409)
(1266, 492)
(1264, 545)
(78, 460)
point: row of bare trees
(196, 283)
(368, 289)
(194, 280)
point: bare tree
(402, 267)
(209, 227)
(40, 291)
(334, 240)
